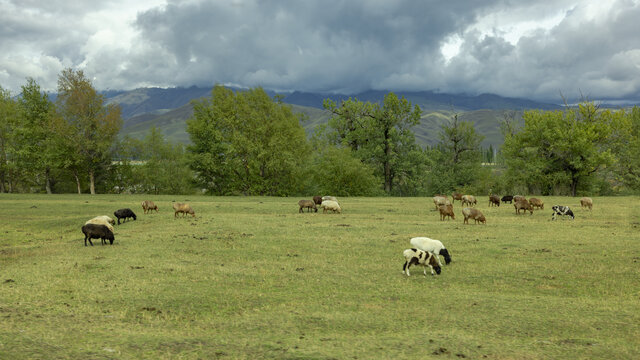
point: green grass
(250, 277)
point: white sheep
(419, 257)
(330, 205)
(102, 220)
(333, 198)
(433, 246)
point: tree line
(248, 143)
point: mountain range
(168, 109)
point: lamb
(184, 209)
(475, 214)
(317, 200)
(102, 220)
(433, 246)
(469, 200)
(446, 210)
(97, 231)
(456, 196)
(308, 204)
(124, 214)
(561, 210)
(420, 257)
(494, 200)
(507, 198)
(523, 204)
(149, 205)
(536, 203)
(330, 205)
(586, 202)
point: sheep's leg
(406, 268)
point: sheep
(507, 198)
(519, 197)
(332, 198)
(97, 231)
(308, 204)
(536, 203)
(586, 202)
(124, 214)
(317, 200)
(446, 210)
(494, 200)
(184, 209)
(148, 205)
(475, 214)
(469, 200)
(330, 205)
(102, 220)
(456, 196)
(439, 200)
(561, 210)
(433, 246)
(420, 257)
(523, 205)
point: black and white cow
(561, 210)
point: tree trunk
(75, 174)
(92, 182)
(574, 186)
(47, 176)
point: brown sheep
(148, 205)
(317, 200)
(439, 200)
(307, 204)
(475, 214)
(456, 196)
(184, 209)
(469, 200)
(520, 205)
(536, 203)
(446, 210)
(519, 198)
(586, 202)
(494, 200)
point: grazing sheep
(475, 214)
(308, 204)
(124, 214)
(97, 231)
(317, 200)
(494, 200)
(330, 205)
(519, 198)
(536, 203)
(561, 210)
(433, 246)
(446, 210)
(102, 220)
(184, 209)
(149, 205)
(586, 202)
(507, 198)
(456, 196)
(332, 198)
(420, 257)
(469, 200)
(523, 204)
(439, 200)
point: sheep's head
(447, 257)
(482, 219)
(433, 263)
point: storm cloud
(534, 49)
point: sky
(537, 49)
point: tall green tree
(9, 119)
(91, 125)
(246, 143)
(380, 134)
(559, 148)
(165, 169)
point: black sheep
(507, 199)
(124, 214)
(96, 231)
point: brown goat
(307, 204)
(494, 200)
(446, 210)
(523, 205)
(149, 205)
(586, 202)
(536, 203)
(475, 214)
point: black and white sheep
(433, 246)
(562, 211)
(96, 231)
(124, 214)
(419, 257)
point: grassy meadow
(250, 277)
